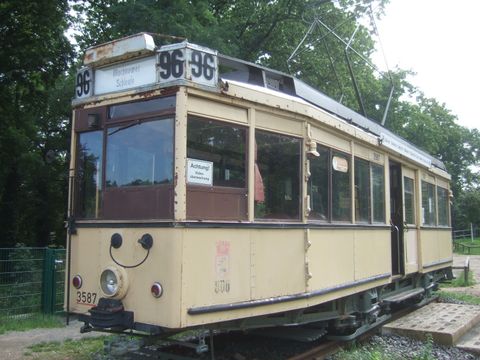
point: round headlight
(114, 282)
(109, 282)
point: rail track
(246, 346)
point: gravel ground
(405, 348)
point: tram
(210, 192)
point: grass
(364, 353)
(33, 321)
(473, 251)
(84, 349)
(447, 296)
(368, 352)
(459, 281)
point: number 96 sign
(187, 63)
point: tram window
(140, 154)
(443, 204)
(362, 190)
(378, 193)
(428, 204)
(222, 145)
(409, 196)
(89, 174)
(278, 161)
(318, 186)
(141, 107)
(341, 199)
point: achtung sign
(199, 172)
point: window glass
(89, 173)
(141, 107)
(409, 195)
(378, 193)
(341, 198)
(428, 204)
(140, 154)
(278, 164)
(362, 190)
(443, 204)
(318, 186)
(221, 145)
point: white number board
(199, 172)
(125, 76)
(187, 62)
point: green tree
(268, 32)
(34, 54)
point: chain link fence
(31, 281)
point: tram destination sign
(177, 64)
(125, 76)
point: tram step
(398, 298)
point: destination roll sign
(176, 64)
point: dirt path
(14, 344)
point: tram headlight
(113, 282)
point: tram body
(231, 200)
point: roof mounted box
(121, 49)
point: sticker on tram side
(86, 298)
(222, 267)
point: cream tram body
(226, 248)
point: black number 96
(82, 87)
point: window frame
(211, 194)
(301, 151)
(332, 152)
(105, 123)
(434, 202)
(447, 207)
(371, 198)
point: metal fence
(31, 280)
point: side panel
(326, 266)
(372, 253)
(278, 258)
(436, 246)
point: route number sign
(195, 64)
(84, 83)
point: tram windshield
(140, 155)
(125, 167)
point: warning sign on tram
(199, 172)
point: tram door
(396, 218)
(409, 221)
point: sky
(440, 41)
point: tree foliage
(36, 66)
(34, 55)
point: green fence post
(48, 301)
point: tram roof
(260, 76)
(250, 74)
